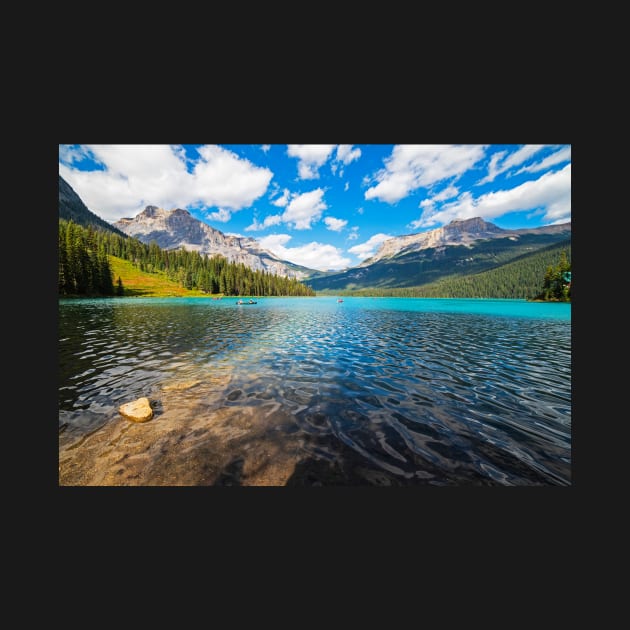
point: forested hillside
(83, 261)
(84, 267)
(432, 265)
(521, 278)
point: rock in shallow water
(138, 410)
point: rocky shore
(185, 437)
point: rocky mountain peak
(457, 232)
(151, 212)
(476, 225)
(178, 229)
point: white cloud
(135, 176)
(354, 233)
(521, 155)
(414, 166)
(283, 200)
(336, 225)
(500, 165)
(109, 197)
(346, 154)
(272, 219)
(222, 215)
(429, 203)
(367, 249)
(69, 154)
(222, 178)
(346, 186)
(550, 193)
(301, 210)
(558, 157)
(313, 255)
(311, 158)
(493, 168)
(448, 193)
(265, 148)
(275, 242)
(305, 208)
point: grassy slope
(138, 283)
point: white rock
(138, 410)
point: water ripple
(374, 394)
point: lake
(312, 391)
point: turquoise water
(368, 391)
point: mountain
(520, 278)
(177, 229)
(457, 232)
(72, 208)
(461, 248)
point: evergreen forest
(86, 255)
(522, 278)
(85, 267)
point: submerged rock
(138, 410)
(180, 385)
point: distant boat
(243, 303)
(339, 300)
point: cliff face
(177, 229)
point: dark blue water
(311, 391)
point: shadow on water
(232, 473)
(321, 472)
(353, 470)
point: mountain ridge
(457, 232)
(178, 229)
(460, 248)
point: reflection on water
(308, 391)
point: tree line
(84, 267)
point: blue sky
(326, 206)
